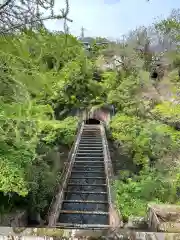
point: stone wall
(17, 218)
(102, 114)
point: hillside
(45, 75)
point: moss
(53, 232)
(173, 76)
(18, 230)
(168, 112)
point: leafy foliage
(45, 76)
(32, 85)
(150, 186)
(147, 122)
(168, 112)
(146, 141)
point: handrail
(60, 187)
(107, 159)
(107, 149)
(110, 173)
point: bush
(145, 141)
(150, 186)
(167, 112)
(31, 71)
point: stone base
(7, 233)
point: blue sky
(112, 18)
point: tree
(168, 31)
(29, 88)
(15, 15)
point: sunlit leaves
(134, 194)
(148, 140)
(28, 88)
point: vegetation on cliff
(147, 124)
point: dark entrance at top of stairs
(92, 121)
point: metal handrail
(66, 167)
(107, 149)
(107, 159)
(110, 174)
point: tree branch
(5, 4)
(29, 14)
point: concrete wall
(102, 114)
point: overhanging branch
(5, 4)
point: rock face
(164, 218)
(34, 219)
(17, 218)
(137, 223)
